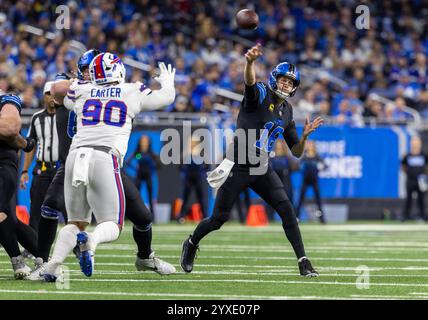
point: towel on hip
(81, 167)
(219, 175)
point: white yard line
(187, 295)
(260, 266)
(241, 273)
(320, 228)
(401, 245)
(314, 258)
(247, 281)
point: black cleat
(306, 269)
(320, 216)
(188, 255)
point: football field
(355, 261)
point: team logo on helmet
(287, 70)
(107, 68)
(84, 62)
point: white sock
(65, 243)
(104, 232)
(304, 257)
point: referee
(43, 130)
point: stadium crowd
(200, 38)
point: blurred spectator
(399, 112)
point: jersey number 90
(94, 112)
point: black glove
(62, 76)
(31, 143)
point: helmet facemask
(286, 70)
(283, 94)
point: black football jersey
(416, 165)
(8, 153)
(66, 124)
(262, 122)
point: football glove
(166, 76)
(62, 76)
(31, 143)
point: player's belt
(99, 148)
(105, 149)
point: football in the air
(247, 19)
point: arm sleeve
(251, 93)
(290, 135)
(11, 99)
(252, 96)
(73, 93)
(71, 97)
(156, 99)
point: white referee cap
(47, 88)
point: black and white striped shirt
(43, 129)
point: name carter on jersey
(106, 93)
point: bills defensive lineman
(105, 108)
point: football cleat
(306, 269)
(320, 216)
(49, 272)
(86, 255)
(27, 255)
(188, 255)
(39, 269)
(154, 264)
(48, 277)
(20, 268)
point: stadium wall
(363, 171)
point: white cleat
(154, 264)
(50, 271)
(20, 268)
(39, 269)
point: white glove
(166, 76)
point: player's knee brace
(49, 213)
(286, 212)
(143, 228)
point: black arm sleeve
(251, 95)
(290, 135)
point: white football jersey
(105, 113)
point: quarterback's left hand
(311, 126)
(166, 76)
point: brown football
(247, 19)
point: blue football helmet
(84, 61)
(287, 70)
